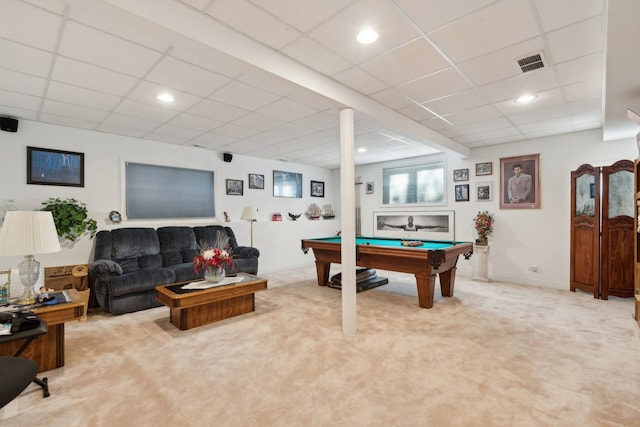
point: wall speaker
(8, 124)
(227, 157)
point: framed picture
(431, 225)
(235, 187)
(462, 193)
(484, 191)
(55, 167)
(317, 189)
(461, 174)
(256, 181)
(485, 168)
(369, 187)
(287, 184)
(520, 182)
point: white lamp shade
(250, 213)
(28, 233)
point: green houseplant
(71, 218)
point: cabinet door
(618, 206)
(585, 230)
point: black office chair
(16, 372)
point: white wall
(279, 243)
(521, 238)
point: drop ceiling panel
(216, 111)
(19, 100)
(431, 15)
(137, 125)
(79, 42)
(39, 31)
(500, 64)
(243, 96)
(259, 122)
(173, 73)
(73, 111)
(360, 80)
(305, 16)
(313, 54)
(92, 77)
(583, 38)
(532, 82)
(555, 14)
(419, 59)
(499, 25)
(435, 86)
(147, 92)
(253, 21)
(286, 110)
(459, 101)
(580, 69)
(22, 83)
(25, 59)
(190, 121)
(80, 96)
(145, 111)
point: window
(423, 184)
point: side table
(48, 350)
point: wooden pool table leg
(426, 286)
(447, 281)
(322, 271)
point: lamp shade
(250, 213)
(28, 233)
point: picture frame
(523, 195)
(484, 168)
(287, 184)
(317, 189)
(369, 188)
(256, 181)
(429, 225)
(462, 192)
(47, 166)
(461, 175)
(235, 187)
(484, 191)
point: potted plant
(71, 218)
(484, 227)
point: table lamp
(28, 233)
(250, 213)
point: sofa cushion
(140, 281)
(134, 242)
(184, 272)
(177, 245)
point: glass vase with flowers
(213, 262)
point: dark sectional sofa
(130, 262)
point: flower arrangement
(211, 258)
(484, 227)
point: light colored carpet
(495, 354)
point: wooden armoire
(603, 230)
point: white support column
(347, 201)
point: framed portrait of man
(520, 182)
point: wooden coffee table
(48, 349)
(192, 308)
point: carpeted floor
(495, 354)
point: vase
(214, 274)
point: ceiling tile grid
(447, 66)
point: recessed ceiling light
(362, 150)
(165, 97)
(367, 36)
(523, 99)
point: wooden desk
(189, 309)
(48, 350)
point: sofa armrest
(103, 266)
(244, 252)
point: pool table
(425, 262)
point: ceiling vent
(532, 62)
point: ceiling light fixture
(165, 97)
(362, 150)
(367, 36)
(523, 99)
